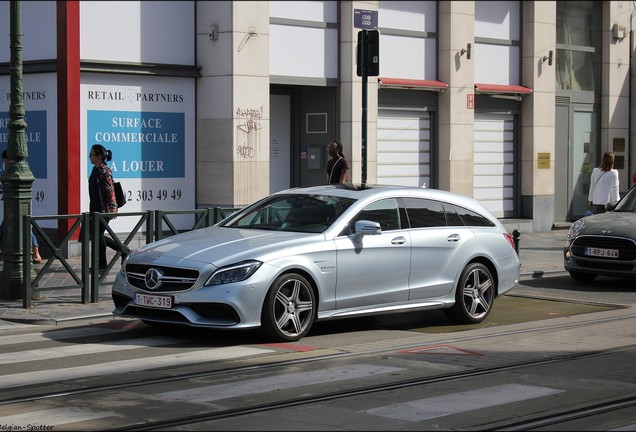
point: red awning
(502, 89)
(430, 85)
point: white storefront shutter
(493, 180)
(404, 147)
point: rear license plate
(159, 302)
(599, 252)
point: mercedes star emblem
(153, 278)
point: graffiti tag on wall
(248, 136)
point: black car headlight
(575, 229)
(234, 273)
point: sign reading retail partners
(148, 125)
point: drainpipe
(632, 102)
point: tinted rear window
(452, 218)
(472, 218)
(424, 213)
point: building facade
(219, 103)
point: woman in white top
(604, 187)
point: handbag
(119, 194)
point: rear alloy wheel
(290, 308)
(582, 277)
(474, 297)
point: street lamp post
(17, 177)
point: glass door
(582, 159)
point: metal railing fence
(152, 225)
(99, 278)
(57, 253)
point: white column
(538, 112)
(232, 103)
(456, 119)
(351, 97)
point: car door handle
(398, 240)
(453, 238)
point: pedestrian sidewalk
(540, 254)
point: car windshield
(628, 203)
(297, 213)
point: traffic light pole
(365, 77)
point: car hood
(221, 246)
(615, 224)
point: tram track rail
(570, 415)
(271, 365)
(529, 424)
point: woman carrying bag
(102, 198)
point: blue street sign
(365, 19)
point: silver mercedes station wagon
(320, 253)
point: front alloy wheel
(474, 297)
(289, 309)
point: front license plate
(159, 302)
(599, 252)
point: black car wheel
(289, 309)
(474, 297)
(582, 277)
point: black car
(605, 243)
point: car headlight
(576, 228)
(234, 273)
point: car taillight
(511, 241)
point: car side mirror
(610, 206)
(366, 227)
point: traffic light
(359, 55)
(372, 61)
(373, 53)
